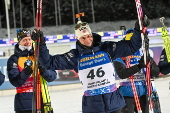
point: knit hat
(81, 29)
(21, 33)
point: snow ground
(69, 100)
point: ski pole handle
(161, 20)
(123, 29)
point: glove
(41, 69)
(36, 34)
(141, 63)
(27, 67)
(146, 23)
(96, 40)
(28, 70)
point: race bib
(96, 74)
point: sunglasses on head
(80, 24)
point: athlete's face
(26, 41)
(86, 40)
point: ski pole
(145, 47)
(36, 86)
(41, 84)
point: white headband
(83, 30)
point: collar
(23, 53)
(90, 50)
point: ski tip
(79, 15)
(161, 19)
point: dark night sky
(2, 7)
(24, 2)
(27, 10)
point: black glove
(141, 63)
(28, 70)
(146, 23)
(41, 69)
(36, 34)
(27, 67)
(96, 39)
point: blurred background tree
(104, 10)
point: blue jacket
(2, 77)
(163, 63)
(23, 101)
(140, 83)
(70, 60)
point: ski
(166, 39)
(145, 47)
(45, 96)
(36, 106)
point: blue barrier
(71, 37)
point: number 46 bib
(96, 74)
